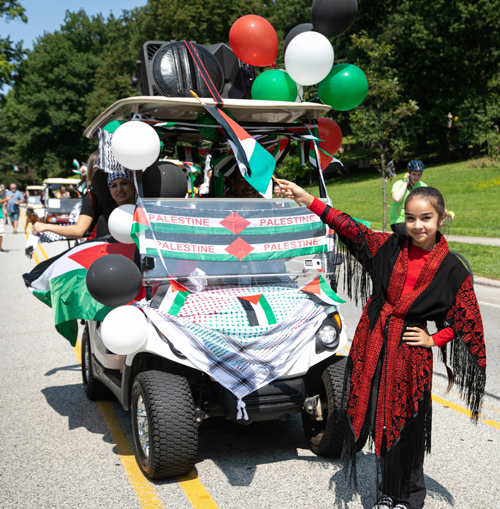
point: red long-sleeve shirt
(416, 260)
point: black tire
(464, 260)
(94, 389)
(326, 437)
(164, 424)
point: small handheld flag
(319, 291)
(254, 161)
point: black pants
(417, 490)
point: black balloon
(113, 280)
(333, 17)
(164, 180)
(299, 29)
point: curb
(494, 283)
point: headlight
(327, 335)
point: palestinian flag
(307, 154)
(320, 292)
(258, 310)
(60, 283)
(140, 224)
(255, 162)
(170, 297)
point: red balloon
(254, 40)
(330, 132)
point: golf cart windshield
(231, 241)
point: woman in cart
(107, 191)
(415, 279)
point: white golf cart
(248, 340)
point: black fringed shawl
(443, 293)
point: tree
(447, 53)
(379, 122)
(10, 54)
(46, 108)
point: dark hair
(91, 167)
(100, 191)
(432, 195)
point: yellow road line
(195, 492)
(145, 491)
(464, 411)
(42, 250)
(148, 498)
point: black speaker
(167, 69)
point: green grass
(484, 260)
(473, 194)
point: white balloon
(135, 145)
(309, 58)
(124, 330)
(120, 223)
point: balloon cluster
(115, 281)
(308, 53)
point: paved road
(59, 450)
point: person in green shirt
(2, 224)
(400, 190)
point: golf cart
(238, 325)
(34, 200)
(58, 210)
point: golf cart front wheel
(164, 424)
(325, 432)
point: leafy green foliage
(447, 54)
(10, 54)
(46, 108)
(379, 122)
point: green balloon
(274, 85)
(344, 88)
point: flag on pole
(15, 168)
(320, 292)
(60, 282)
(259, 312)
(255, 162)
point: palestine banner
(60, 283)
(227, 231)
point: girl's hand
(38, 228)
(295, 192)
(415, 336)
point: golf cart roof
(187, 109)
(60, 181)
(34, 188)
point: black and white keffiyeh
(106, 160)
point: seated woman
(108, 191)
